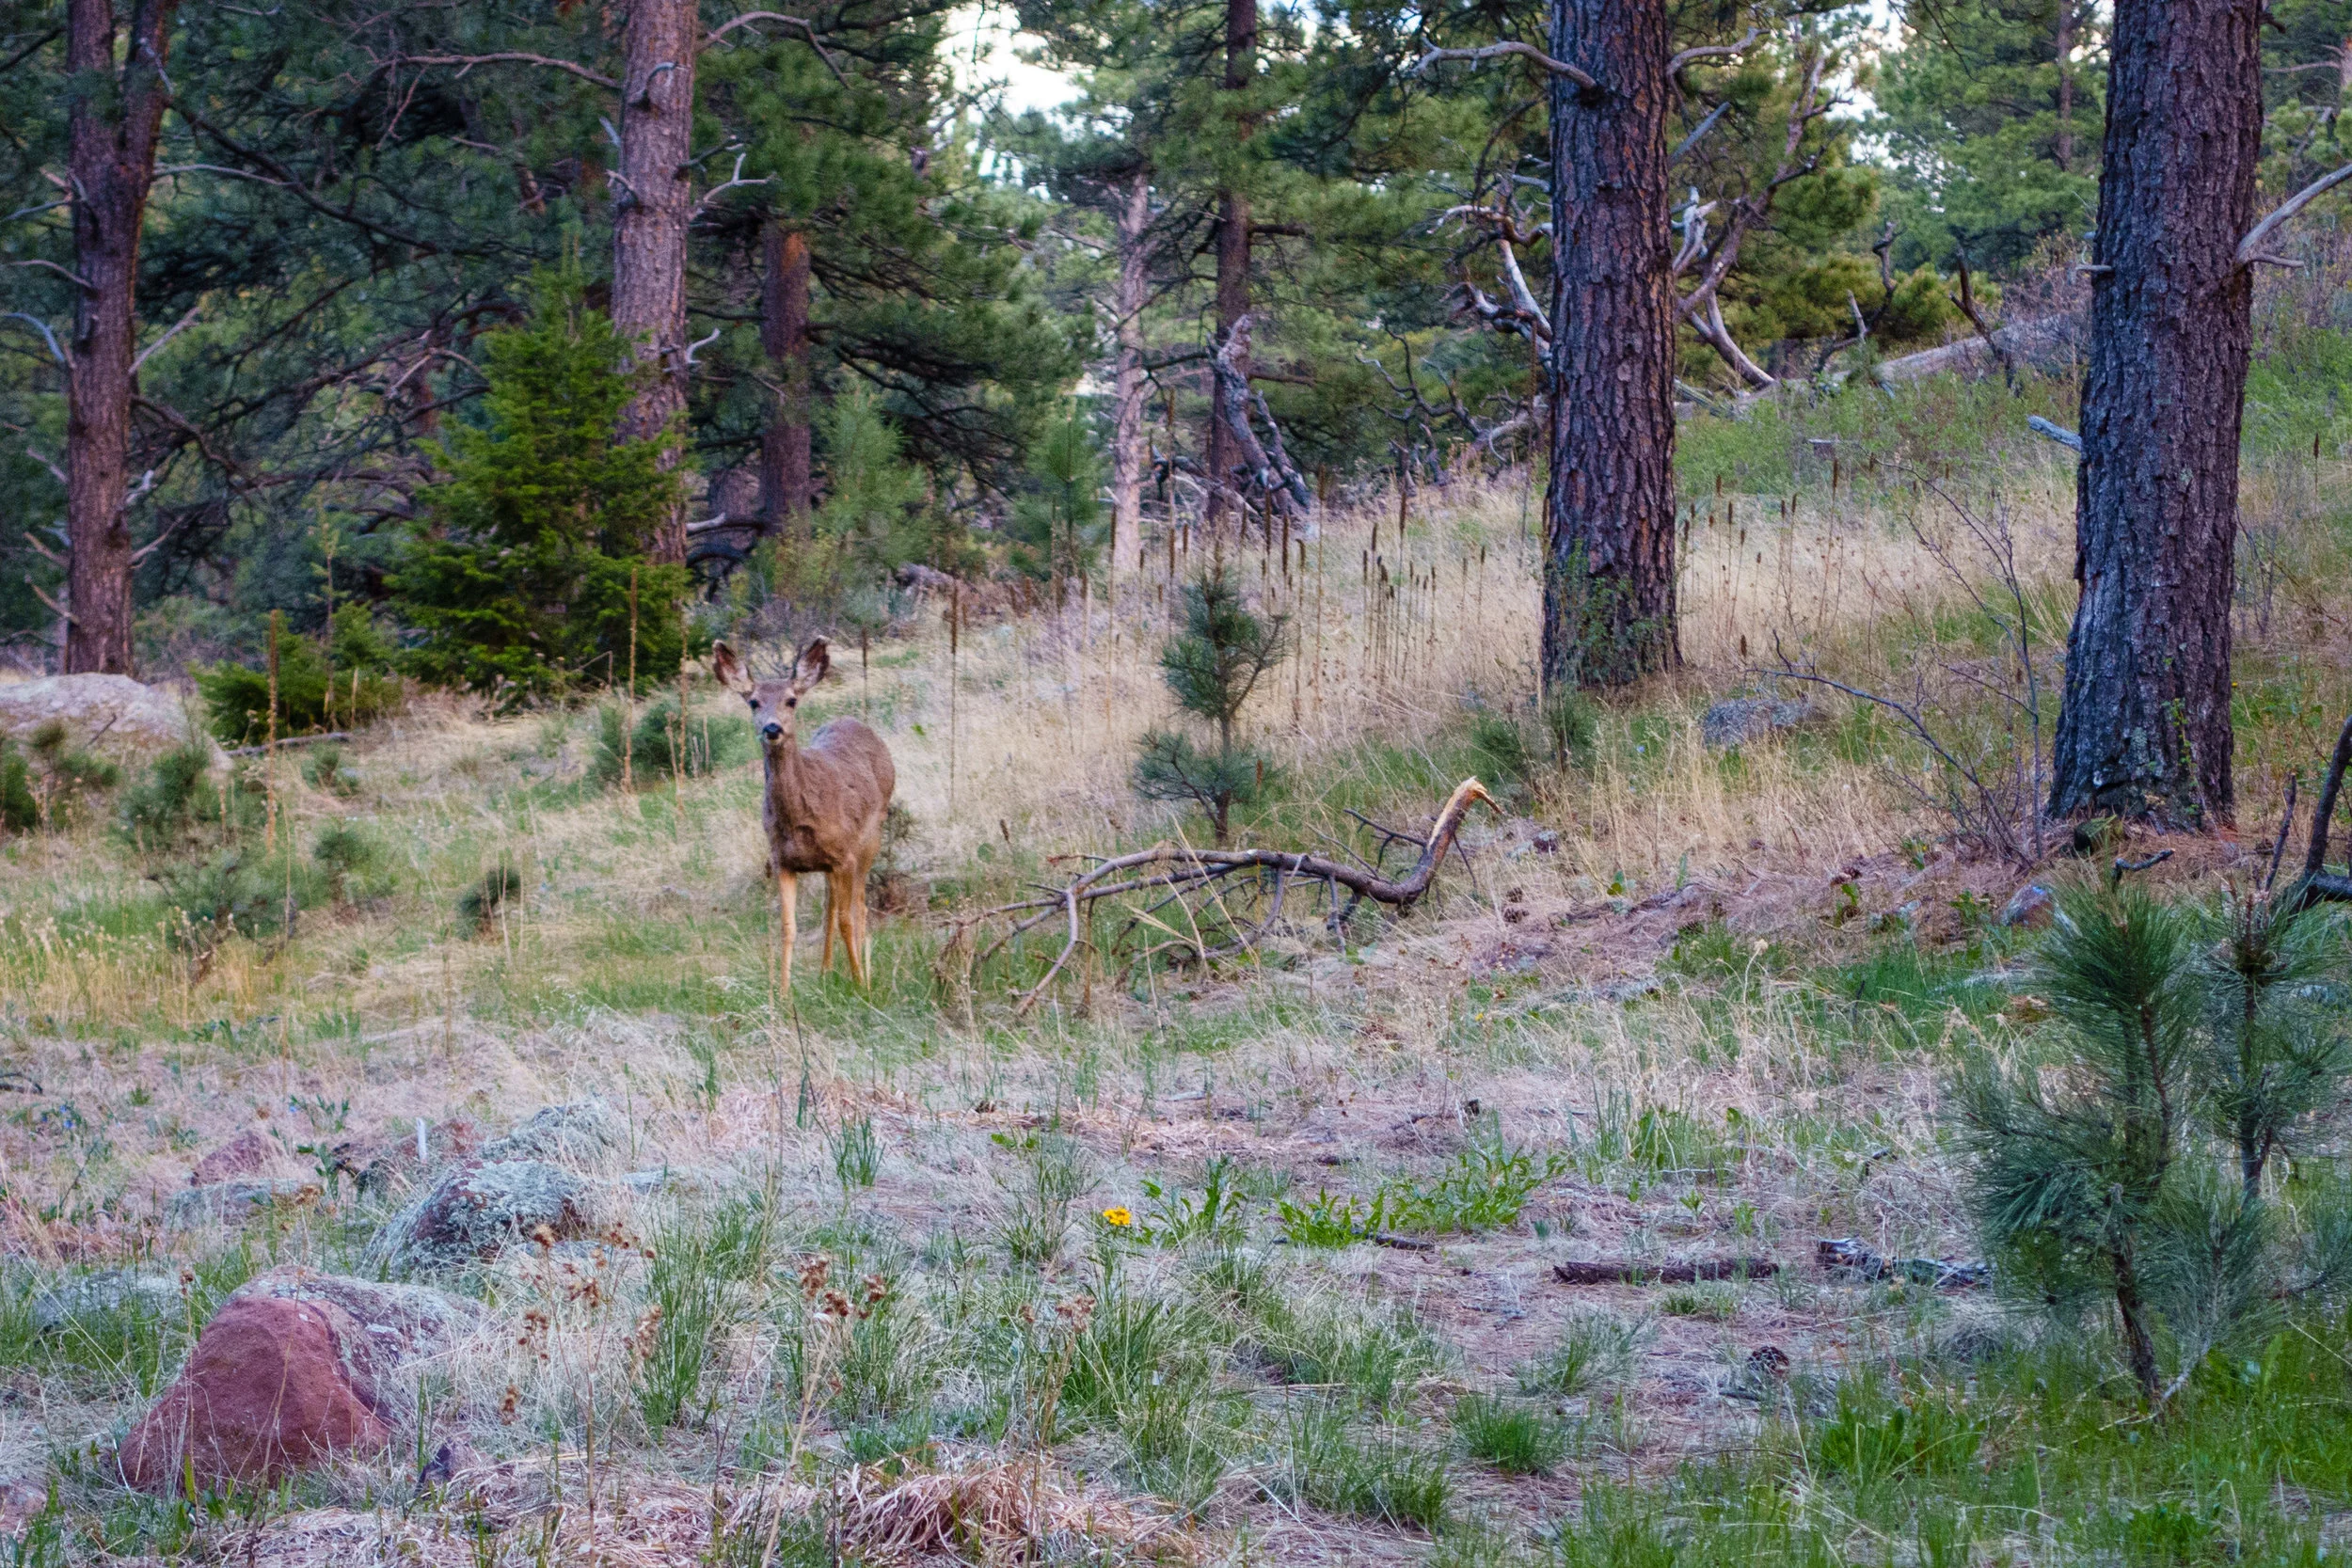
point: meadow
(1254, 1261)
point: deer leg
(788, 887)
(833, 918)
(858, 914)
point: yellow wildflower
(1116, 1215)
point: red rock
(242, 1155)
(268, 1390)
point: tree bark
(1128, 462)
(111, 137)
(1233, 255)
(2144, 728)
(1609, 562)
(649, 223)
(784, 470)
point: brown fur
(825, 804)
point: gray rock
(473, 1214)
(584, 1133)
(115, 1291)
(235, 1203)
(1737, 721)
(112, 715)
(2032, 906)
(675, 1178)
(398, 1325)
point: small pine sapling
(1212, 666)
(2069, 1174)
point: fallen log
(1613, 1272)
(1176, 869)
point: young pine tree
(519, 576)
(1212, 666)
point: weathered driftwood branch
(1277, 479)
(1617, 1272)
(1176, 869)
(2316, 885)
(2251, 249)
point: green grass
(1516, 1436)
(1325, 1458)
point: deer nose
(771, 729)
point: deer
(823, 803)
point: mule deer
(824, 802)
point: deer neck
(785, 776)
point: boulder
(242, 1155)
(269, 1390)
(1737, 721)
(584, 1134)
(2032, 906)
(234, 1202)
(396, 1324)
(111, 714)
(113, 1291)
(471, 1214)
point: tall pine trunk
(1232, 258)
(2145, 728)
(651, 211)
(1127, 386)
(111, 138)
(784, 470)
(1609, 554)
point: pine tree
(529, 574)
(1991, 110)
(1212, 666)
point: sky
(983, 45)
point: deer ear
(729, 669)
(814, 661)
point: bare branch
(66, 273)
(1498, 50)
(807, 31)
(1708, 52)
(40, 327)
(169, 333)
(2250, 250)
(1698, 132)
(2057, 432)
(505, 58)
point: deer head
(773, 702)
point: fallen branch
(1175, 869)
(1610, 1271)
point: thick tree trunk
(1233, 256)
(1608, 565)
(1127, 386)
(784, 473)
(649, 221)
(2145, 725)
(111, 151)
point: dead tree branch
(1175, 869)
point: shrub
(48, 778)
(172, 799)
(480, 904)
(236, 696)
(346, 851)
(237, 894)
(653, 750)
(19, 809)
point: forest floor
(1262, 1264)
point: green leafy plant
(354, 659)
(1175, 1218)
(1484, 1187)
(1330, 1219)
